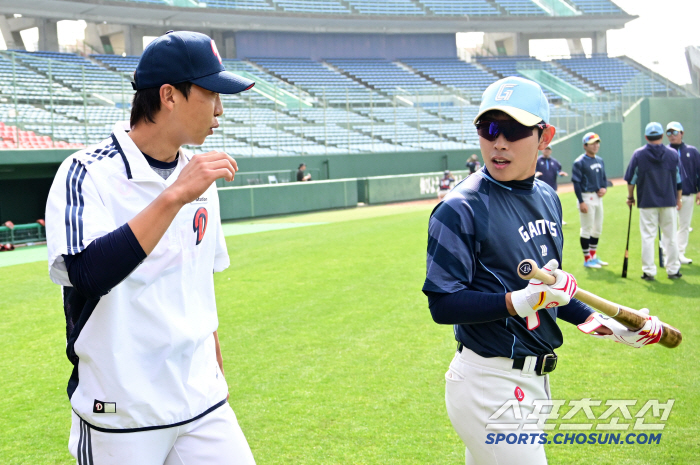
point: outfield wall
(400, 188)
(279, 199)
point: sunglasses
(672, 132)
(511, 130)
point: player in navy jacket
(590, 184)
(477, 236)
(548, 168)
(655, 171)
(690, 178)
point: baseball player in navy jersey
(445, 184)
(134, 236)
(655, 171)
(506, 332)
(549, 169)
(590, 185)
(690, 178)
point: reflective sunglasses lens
(511, 130)
(672, 132)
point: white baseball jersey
(144, 353)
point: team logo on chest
(538, 228)
(199, 225)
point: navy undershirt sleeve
(467, 307)
(576, 312)
(577, 190)
(106, 262)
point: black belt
(546, 363)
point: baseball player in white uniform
(690, 180)
(506, 329)
(134, 237)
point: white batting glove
(649, 334)
(538, 295)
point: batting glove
(538, 295)
(649, 334)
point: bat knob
(527, 269)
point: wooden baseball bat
(627, 247)
(661, 252)
(632, 319)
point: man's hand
(538, 295)
(604, 327)
(538, 174)
(583, 207)
(201, 172)
(563, 173)
(601, 192)
(679, 204)
(630, 201)
(697, 198)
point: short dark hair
(655, 138)
(146, 102)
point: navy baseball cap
(186, 56)
(654, 129)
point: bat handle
(528, 269)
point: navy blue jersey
(690, 168)
(476, 238)
(589, 173)
(550, 169)
(655, 170)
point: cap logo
(216, 51)
(504, 92)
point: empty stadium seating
(468, 78)
(617, 77)
(302, 106)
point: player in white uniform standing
(590, 185)
(506, 329)
(690, 179)
(134, 237)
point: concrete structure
(119, 27)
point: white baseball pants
(650, 220)
(476, 388)
(214, 439)
(685, 217)
(591, 222)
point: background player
(477, 236)
(445, 184)
(655, 171)
(473, 163)
(134, 236)
(548, 168)
(590, 185)
(690, 179)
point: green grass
(332, 357)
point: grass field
(332, 357)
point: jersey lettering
(538, 228)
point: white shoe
(685, 260)
(563, 222)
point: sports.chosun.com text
(574, 438)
